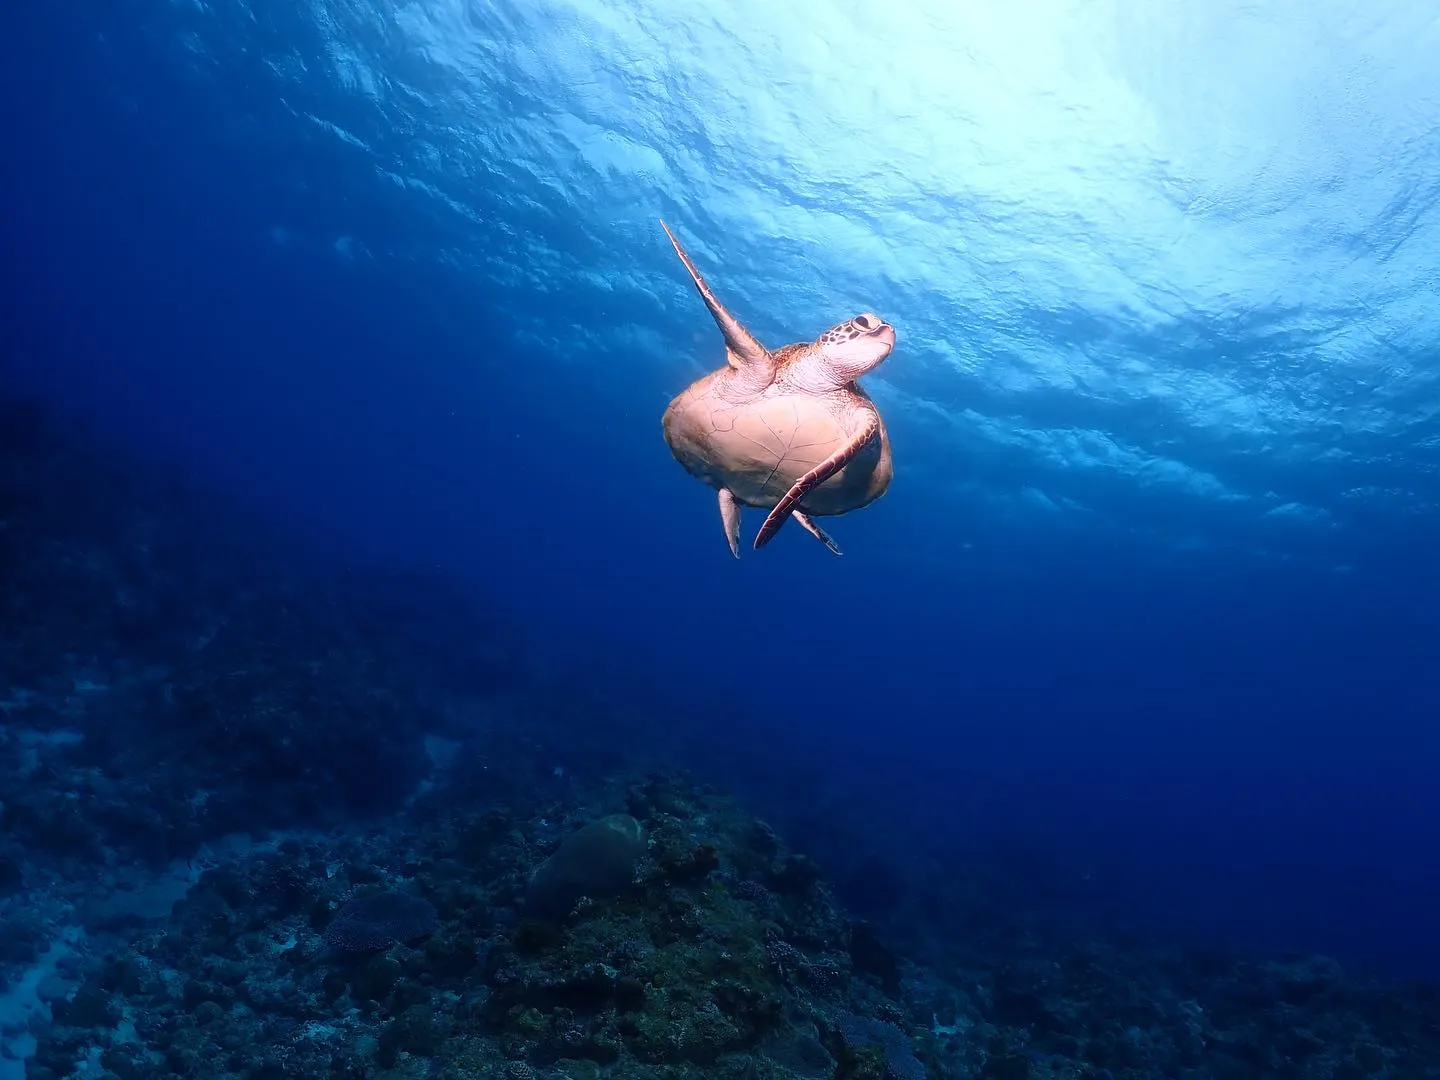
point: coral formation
(263, 821)
(598, 859)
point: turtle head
(853, 348)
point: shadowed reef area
(264, 818)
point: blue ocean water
(1148, 616)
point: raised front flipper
(869, 429)
(808, 524)
(742, 351)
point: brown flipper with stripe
(817, 476)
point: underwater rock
(870, 956)
(90, 1007)
(888, 1049)
(375, 922)
(597, 860)
(12, 875)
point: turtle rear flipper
(730, 518)
(808, 524)
(817, 476)
(742, 352)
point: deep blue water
(1154, 591)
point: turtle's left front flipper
(869, 429)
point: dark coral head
(379, 920)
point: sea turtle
(789, 430)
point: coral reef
(724, 955)
(263, 819)
(169, 675)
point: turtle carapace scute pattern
(788, 431)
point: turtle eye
(862, 322)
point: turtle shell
(758, 446)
